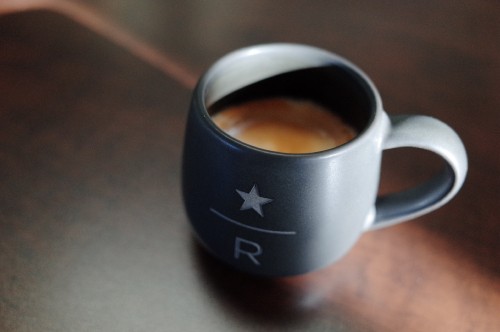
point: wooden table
(93, 235)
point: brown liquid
(284, 125)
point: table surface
(93, 101)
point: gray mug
(278, 214)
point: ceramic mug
(277, 214)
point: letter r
(247, 248)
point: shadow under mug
(278, 214)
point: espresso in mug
(285, 125)
(282, 214)
(302, 111)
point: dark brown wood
(93, 235)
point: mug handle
(430, 134)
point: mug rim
(323, 57)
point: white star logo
(252, 200)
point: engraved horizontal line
(262, 230)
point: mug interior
(314, 75)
